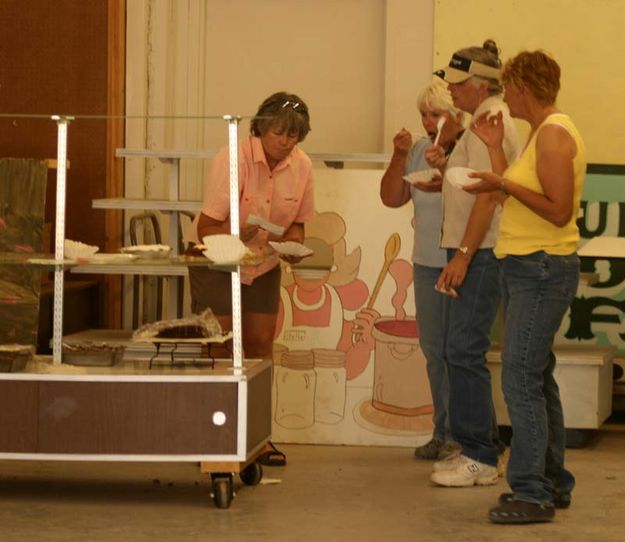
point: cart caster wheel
(222, 490)
(252, 474)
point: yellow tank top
(521, 230)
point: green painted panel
(597, 314)
(22, 202)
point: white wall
(359, 64)
(585, 38)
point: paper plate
(451, 292)
(421, 176)
(224, 249)
(265, 224)
(148, 251)
(76, 249)
(459, 176)
(291, 248)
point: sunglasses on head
(296, 106)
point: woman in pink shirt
(275, 184)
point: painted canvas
(22, 202)
(348, 365)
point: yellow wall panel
(584, 36)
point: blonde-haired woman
(434, 102)
(537, 245)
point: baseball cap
(461, 68)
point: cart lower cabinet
(177, 414)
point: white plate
(451, 292)
(291, 248)
(459, 176)
(148, 251)
(265, 225)
(224, 249)
(76, 249)
(422, 176)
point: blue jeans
(471, 316)
(538, 290)
(432, 311)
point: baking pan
(14, 357)
(92, 355)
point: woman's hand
(435, 185)
(394, 192)
(247, 232)
(454, 273)
(294, 233)
(402, 142)
(435, 157)
(489, 128)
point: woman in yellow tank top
(540, 195)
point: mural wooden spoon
(390, 253)
(391, 250)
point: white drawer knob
(219, 418)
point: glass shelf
(174, 265)
(74, 116)
(141, 204)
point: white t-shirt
(471, 152)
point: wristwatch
(465, 250)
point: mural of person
(315, 301)
(314, 332)
(328, 329)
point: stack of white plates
(224, 249)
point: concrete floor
(326, 493)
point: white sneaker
(449, 463)
(462, 471)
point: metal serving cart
(218, 415)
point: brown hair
(537, 71)
(487, 54)
(284, 112)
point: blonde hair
(537, 71)
(436, 97)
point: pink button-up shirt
(282, 196)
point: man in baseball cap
(461, 68)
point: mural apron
(310, 381)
